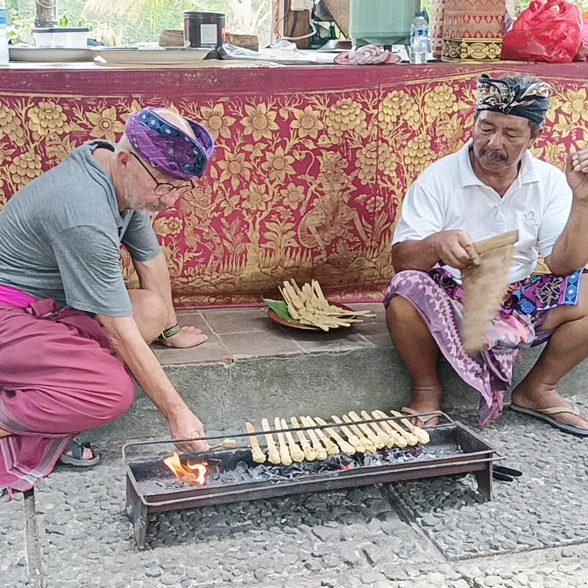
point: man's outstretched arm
(127, 342)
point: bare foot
(548, 398)
(4, 433)
(186, 338)
(425, 399)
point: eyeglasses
(163, 188)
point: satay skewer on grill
(284, 451)
(346, 448)
(272, 450)
(369, 445)
(389, 437)
(351, 437)
(421, 434)
(410, 438)
(332, 448)
(309, 452)
(296, 453)
(375, 438)
(400, 440)
(256, 452)
(321, 452)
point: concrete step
(251, 368)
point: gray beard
(134, 205)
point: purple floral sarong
(438, 299)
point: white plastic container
(72, 38)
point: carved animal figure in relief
(329, 219)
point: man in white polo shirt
(491, 186)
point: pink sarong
(58, 376)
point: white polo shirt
(449, 196)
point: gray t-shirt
(60, 237)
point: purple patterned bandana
(166, 147)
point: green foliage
(18, 29)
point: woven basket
(339, 10)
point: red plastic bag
(546, 31)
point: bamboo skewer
(351, 437)
(410, 438)
(332, 448)
(375, 438)
(388, 438)
(256, 452)
(400, 440)
(284, 451)
(418, 432)
(272, 450)
(296, 453)
(321, 452)
(309, 452)
(369, 445)
(346, 448)
(363, 435)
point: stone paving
(424, 534)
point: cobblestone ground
(428, 534)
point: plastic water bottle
(419, 39)
(4, 55)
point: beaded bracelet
(170, 332)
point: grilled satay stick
(346, 448)
(309, 452)
(332, 447)
(421, 434)
(256, 452)
(388, 438)
(321, 452)
(375, 438)
(272, 450)
(353, 439)
(369, 445)
(399, 440)
(410, 438)
(284, 451)
(295, 452)
(225, 444)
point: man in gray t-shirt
(64, 307)
(61, 236)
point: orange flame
(194, 473)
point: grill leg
(484, 479)
(137, 513)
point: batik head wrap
(167, 148)
(519, 96)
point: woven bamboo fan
(483, 288)
(339, 10)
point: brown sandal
(412, 413)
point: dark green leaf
(281, 309)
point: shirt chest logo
(530, 219)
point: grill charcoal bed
(234, 476)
